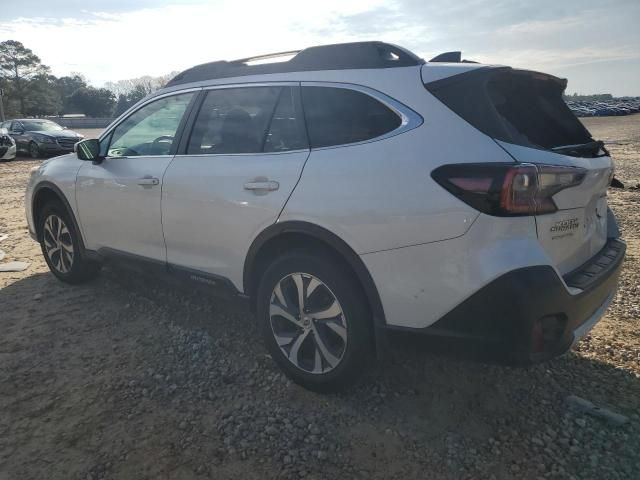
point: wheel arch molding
(318, 235)
(47, 191)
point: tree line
(30, 90)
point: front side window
(339, 116)
(151, 130)
(247, 120)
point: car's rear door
(234, 173)
(119, 198)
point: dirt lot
(123, 379)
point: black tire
(337, 282)
(34, 150)
(74, 271)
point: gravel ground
(125, 378)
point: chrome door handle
(268, 186)
(148, 181)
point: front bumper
(7, 152)
(530, 314)
(54, 148)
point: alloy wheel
(34, 151)
(308, 323)
(58, 244)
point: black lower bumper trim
(597, 268)
(505, 311)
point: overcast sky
(595, 44)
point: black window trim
(188, 130)
(409, 119)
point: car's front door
(244, 157)
(119, 198)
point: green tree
(43, 97)
(126, 100)
(130, 91)
(94, 102)
(19, 66)
(66, 87)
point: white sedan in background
(7, 146)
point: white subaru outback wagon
(348, 190)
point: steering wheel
(163, 139)
(167, 140)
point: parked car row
(37, 138)
(592, 108)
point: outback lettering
(565, 225)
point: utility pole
(1, 105)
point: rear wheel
(60, 245)
(314, 320)
(34, 150)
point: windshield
(40, 126)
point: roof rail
(449, 57)
(339, 56)
(268, 56)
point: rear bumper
(531, 314)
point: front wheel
(314, 320)
(34, 150)
(60, 245)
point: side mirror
(88, 149)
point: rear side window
(247, 120)
(339, 116)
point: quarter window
(339, 116)
(151, 130)
(247, 120)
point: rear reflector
(547, 333)
(507, 189)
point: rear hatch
(525, 114)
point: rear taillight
(507, 189)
